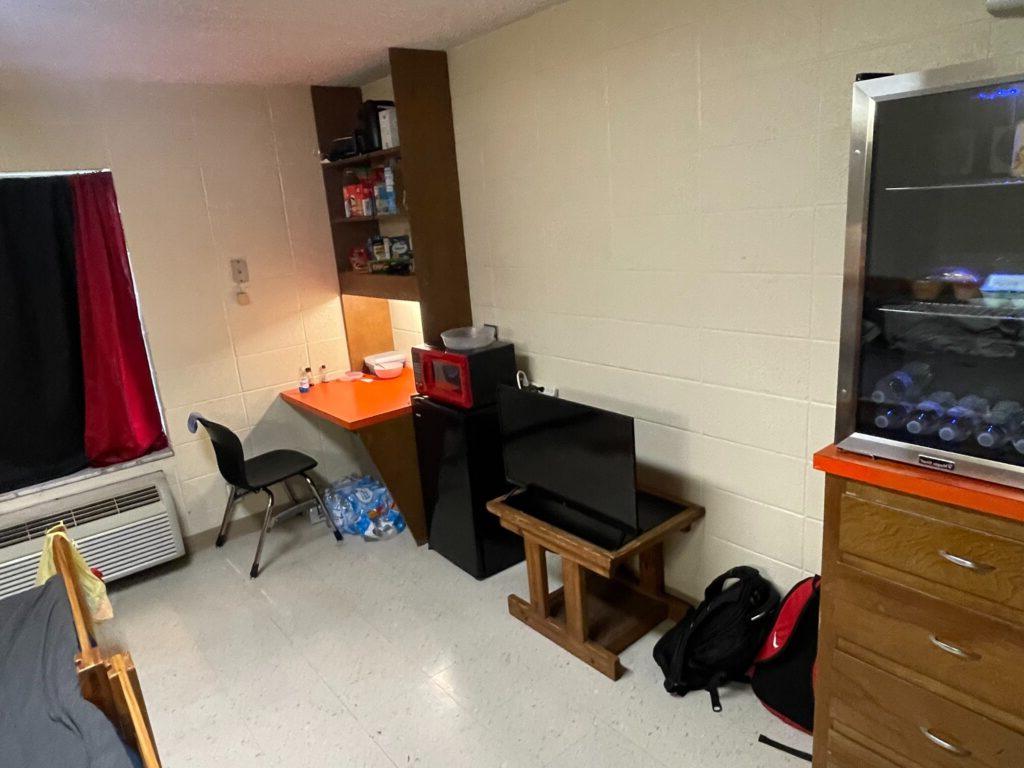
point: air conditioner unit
(120, 528)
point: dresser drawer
(846, 753)
(976, 656)
(919, 550)
(930, 730)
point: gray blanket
(44, 721)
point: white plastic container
(388, 370)
(468, 337)
(385, 365)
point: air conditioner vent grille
(76, 516)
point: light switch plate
(239, 271)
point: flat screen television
(582, 456)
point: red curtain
(122, 419)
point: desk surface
(357, 404)
(999, 500)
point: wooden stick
(80, 613)
(122, 679)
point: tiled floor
(386, 655)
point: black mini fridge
(461, 469)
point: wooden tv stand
(603, 607)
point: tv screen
(583, 456)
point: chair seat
(274, 466)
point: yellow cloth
(93, 589)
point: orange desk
(380, 412)
(357, 404)
(990, 498)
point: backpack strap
(740, 572)
(713, 683)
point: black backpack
(717, 641)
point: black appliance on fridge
(461, 469)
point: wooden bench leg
(652, 569)
(575, 594)
(537, 573)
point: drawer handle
(953, 649)
(948, 746)
(963, 562)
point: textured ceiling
(231, 41)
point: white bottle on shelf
(902, 385)
(962, 419)
(304, 380)
(927, 414)
(1000, 425)
(892, 416)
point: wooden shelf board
(404, 287)
(364, 219)
(367, 159)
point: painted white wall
(406, 325)
(654, 196)
(205, 174)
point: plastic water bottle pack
(364, 506)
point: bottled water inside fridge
(926, 417)
(905, 384)
(1000, 425)
(963, 419)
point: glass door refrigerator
(932, 350)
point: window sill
(86, 474)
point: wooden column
(537, 574)
(431, 175)
(575, 592)
(652, 569)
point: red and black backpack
(783, 673)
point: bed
(89, 714)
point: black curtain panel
(41, 391)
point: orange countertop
(991, 498)
(357, 404)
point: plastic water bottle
(927, 414)
(902, 385)
(962, 419)
(1000, 425)
(304, 382)
(892, 416)
(1017, 438)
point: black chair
(256, 475)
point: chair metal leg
(323, 507)
(222, 536)
(255, 570)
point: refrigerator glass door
(934, 361)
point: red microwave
(467, 379)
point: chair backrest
(228, 449)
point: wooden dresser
(921, 649)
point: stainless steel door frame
(866, 95)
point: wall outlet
(239, 271)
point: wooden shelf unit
(364, 219)
(379, 286)
(369, 158)
(429, 186)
